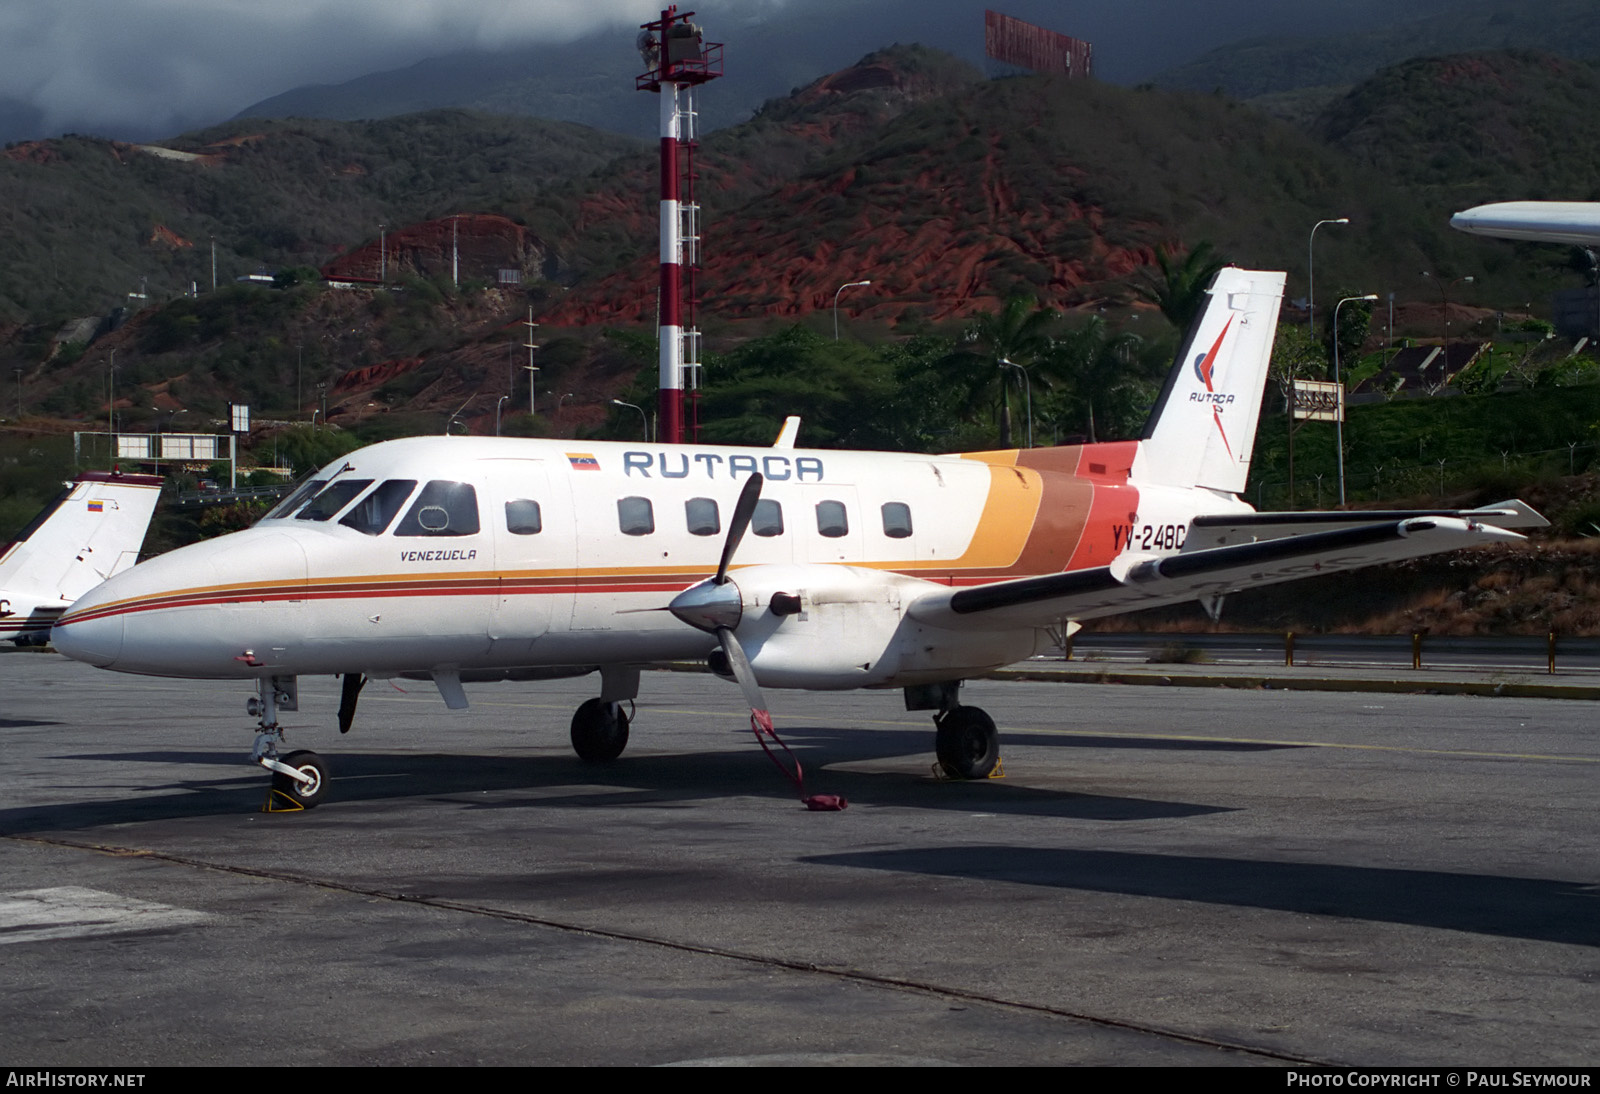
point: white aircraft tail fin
(91, 531)
(1203, 429)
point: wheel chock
(942, 774)
(280, 802)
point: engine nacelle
(834, 627)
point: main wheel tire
(599, 731)
(966, 742)
(306, 795)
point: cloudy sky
(161, 65)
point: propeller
(717, 606)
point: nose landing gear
(300, 778)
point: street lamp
(1027, 387)
(642, 419)
(497, 406)
(1311, 274)
(1339, 422)
(842, 288)
(1444, 305)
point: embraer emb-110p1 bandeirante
(89, 532)
(470, 559)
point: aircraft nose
(94, 639)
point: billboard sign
(1022, 44)
(1318, 401)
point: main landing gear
(599, 731)
(965, 739)
(600, 727)
(966, 743)
(299, 778)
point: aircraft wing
(1136, 581)
(1221, 530)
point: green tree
(1294, 357)
(1355, 321)
(978, 368)
(1180, 289)
(1102, 380)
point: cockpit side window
(373, 513)
(295, 499)
(442, 509)
(333, 499)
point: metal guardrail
(201, 498)
(1521, 653)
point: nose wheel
(302, 787)
(299, 778)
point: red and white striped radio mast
(678, 60)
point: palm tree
(1180, 290)
(1092, 367)
(1015, 335)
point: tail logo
(1204, 366)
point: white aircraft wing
(1223, 529)
(1136, 581)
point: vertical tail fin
(91, 531)
(1203, 429)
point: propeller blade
(743, 510)
(743, 674)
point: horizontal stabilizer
(1132, 582)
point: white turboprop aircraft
(468, 559)
(91, 531)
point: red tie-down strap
(761, 726)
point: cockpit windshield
(332, 499)
(296, 498)
(372, 514)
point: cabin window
(373, 513)
(442, 509)
(523, 518)
(897, 520)
(831, 519)
(295, 499)
(333, 499)
(768, 518)
(635, 516)
(702, 516)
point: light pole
(498, 403)
(1444, 304)
(1311, 274)
(561, 402)
(842, 288)
(1339, 422)
(642, 419)
(1027, 386)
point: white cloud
(148, 64)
